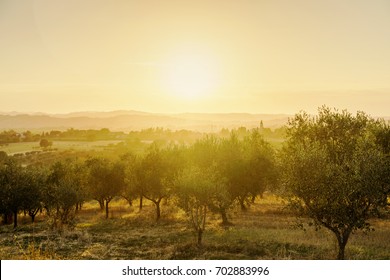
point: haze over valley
(133, 120)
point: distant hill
(96, 114)
(135, 120)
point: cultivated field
(24, 147)
(266, 231)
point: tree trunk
(157, 203)
(32, 214)
(10, 217)
(140, 202)
(15, 219)
(200, 234)
(101, 204)
(158, 211)
(224, 217)
(342, 240)
(341, 253)
(7, 218)
(128, 199)
(107, 201)
(242, 204)
(262, 195)
(253, 198)
(78, 206)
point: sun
(191, 76)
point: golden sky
(275, 56)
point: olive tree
(34, 199)
(20, 190)
(4, 211)
(105, 180)
(333, 171)
(194, 189)
(158, 169)
(248, 165)
(12, 190)
(208, 154)
(132, 188)
(263, 172)
(382, 137)
(64, 189)
(44, 143)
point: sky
(169, 56)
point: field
(266, 231)
(23, 147)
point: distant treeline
(150, 134)
(11, 136)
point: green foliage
(204, 152)
(158, 170)
(207, 155)
(33, 202)
(249, 165)
(44, 143)
(9, 136)
(105, 180)
(333, 171)
(382, 140)
(65, 188)
(245, 168)
(194, 188)
(15, 185)
(132, 187)
(3, 157)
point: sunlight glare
(191, 76)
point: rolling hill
(135, 120)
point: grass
(265, 231)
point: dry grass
(265, 231)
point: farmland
(233, 195)
(266, 231)
(25, 147)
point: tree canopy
(334, 170)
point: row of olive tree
(56, 190)
(221, 172)
(18, 191)
(242, 169)
(334, 168)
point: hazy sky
(275, 56)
